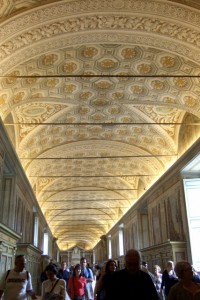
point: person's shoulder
(61, 281)
(141, 273)
(5, 275)
(175, 288)
(120, 273)
(45, 282)
(11, 271)
(89, 270)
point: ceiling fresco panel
(99, 100)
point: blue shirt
(87, 273)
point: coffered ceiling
(99, 98)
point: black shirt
(128, 286)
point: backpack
(27, 274)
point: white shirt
(15, 285)
(60, 287)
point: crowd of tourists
(82, 282)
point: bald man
(131, 282)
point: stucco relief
(188, 133)
(141, 24)
(59, 10)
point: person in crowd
(77, 285)
(169, 278)
(97, 293)
(158, 280)
(71, 269)
(97, 275)
(87, 273)
(43, 276)
(144, 267)
(102, 289)
(16, 283)
(185, 289)
(63, 273)
(97, 272)
(196, 277)
(53, 287)
(131, 282)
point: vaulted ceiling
(99, 98)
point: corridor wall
(18, 207)
(157, 223)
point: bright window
(36, 229)
(121, 240)
(192, 195)
(46, 244)
(109, 247)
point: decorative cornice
(53, 11)
(10, 232)
(23, 33)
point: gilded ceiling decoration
(96, 97)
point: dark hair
(78, 266)
(19, 256)
(97, 267)
(83, 258)
(107, 270)
(52, 268)
(144, 263)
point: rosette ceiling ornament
(99, 99)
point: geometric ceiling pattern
(99, 99)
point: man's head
(170, 265)
(145, 264)
(20, 263)
(63, 265)
(83, 262)
(132, 261)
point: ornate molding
(101, 37)
(56, 10)
(185, 38)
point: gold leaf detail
(128, 53)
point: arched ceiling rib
(94, 100)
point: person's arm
(90, 277)
(162, 285)
(69, 289)
(62, 295)
(43, 289)
(85, 289)
(1, 293)
(32, 294)
(29, 289)
(99, 282)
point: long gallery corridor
(99, 131)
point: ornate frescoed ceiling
(99, 98)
